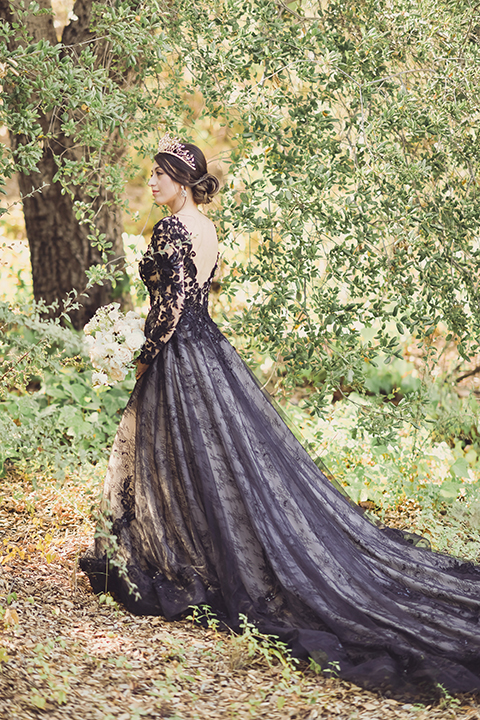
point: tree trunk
(60, 251)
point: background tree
(69, 104)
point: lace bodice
(169, 272)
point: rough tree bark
(59, 247)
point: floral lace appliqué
(170, 275)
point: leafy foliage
(29, 343)
(63, 425)
(354, 176)
(432, 481)
(103, 94)
(60, 422)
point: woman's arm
(163, 271)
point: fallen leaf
(11, 616)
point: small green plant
(204, 615)
(314, 666)
(107, 600)
(447, 700)
(332, 669)
(251, 646)
(104, 532)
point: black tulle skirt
(213, 500)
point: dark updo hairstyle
(204, 185)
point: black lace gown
(214, 501)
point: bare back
(204, 242)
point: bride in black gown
(214, 501)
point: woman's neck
(183, 206)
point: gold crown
(173, 146)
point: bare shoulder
(209, 231)
(204, 222)
(201, 228)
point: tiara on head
(173, 146)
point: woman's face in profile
(164, 189)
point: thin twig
(13, 365)
(468, 374)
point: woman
(214, 501)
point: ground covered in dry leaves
(64, 653)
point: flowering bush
(113, 341)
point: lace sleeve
(162, 270)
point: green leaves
(350, 182)
(351, 209)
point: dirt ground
(65, 653)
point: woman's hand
(141, 368)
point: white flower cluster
(112, 339)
